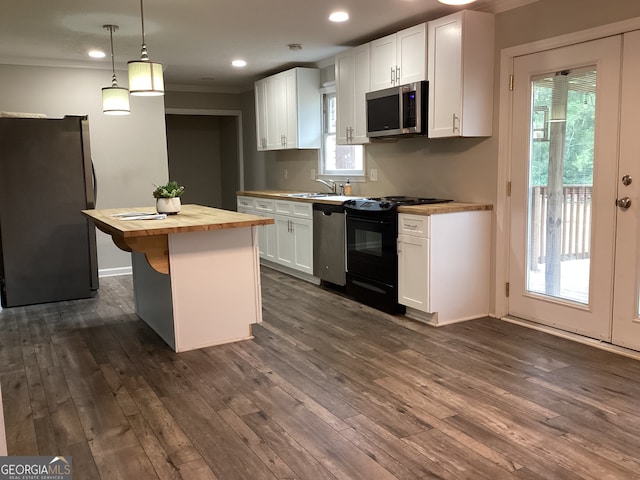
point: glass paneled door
(563, 170)
(626, 304)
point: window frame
(356, 175)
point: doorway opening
(204, 149)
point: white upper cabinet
(261, 114)
(352, 83)
(288, 110)
(399, 58)
(460, 73)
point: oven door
(371, 245)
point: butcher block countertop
(192, 218)
(452, 207)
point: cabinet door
(352, 84)
(383, 62)
(413, 272)
(284, 241)
(345, 96)
(290, 109)
(411, 55)
(261, 115)
(303, 245)
(361, 60)
(445, 76)
(270, 243)
(267, 240)
(276, 111)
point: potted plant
(168, 197)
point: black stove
(386, 204)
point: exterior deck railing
(576, 222)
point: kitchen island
(196, 275)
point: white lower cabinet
(266, 233)
(289, 241)
(443, 265)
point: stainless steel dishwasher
(329, 244)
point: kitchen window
(337, 160)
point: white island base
(212, 295)
(196, 275)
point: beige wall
(129, 152)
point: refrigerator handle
(95, 184)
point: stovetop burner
(389, 203)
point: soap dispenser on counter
(347, 188)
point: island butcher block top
(192, 218)
(151, 236)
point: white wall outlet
(373, 174)
(286, 173)
(313, 174)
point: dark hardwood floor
(328, 389)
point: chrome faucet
(332, 185)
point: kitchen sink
(309, 195)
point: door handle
(623, 203)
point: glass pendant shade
(115, 101)
(145, 78)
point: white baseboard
(574, 337)
(114, 272)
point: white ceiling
(196, 40)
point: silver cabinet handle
(398, 75)
(455, 117)
(393, 77)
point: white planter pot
(170, 206)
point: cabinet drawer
(294, 209)
(263, 205)
(416, 225)
(246, 202)
(302, 210)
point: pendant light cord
(142, 19)
(112, 28)
(144, 55)
(113, 63)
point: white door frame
(219, 113)
(507, 56)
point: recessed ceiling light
(239, 63)
(456, 2)
(339, 16)
(97, 54)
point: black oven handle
(367, 220)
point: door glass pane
(561, 183)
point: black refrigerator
(47, 247)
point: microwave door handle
(402, 119)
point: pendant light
(115, 99)
(145, 77)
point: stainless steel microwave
(398, 111)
